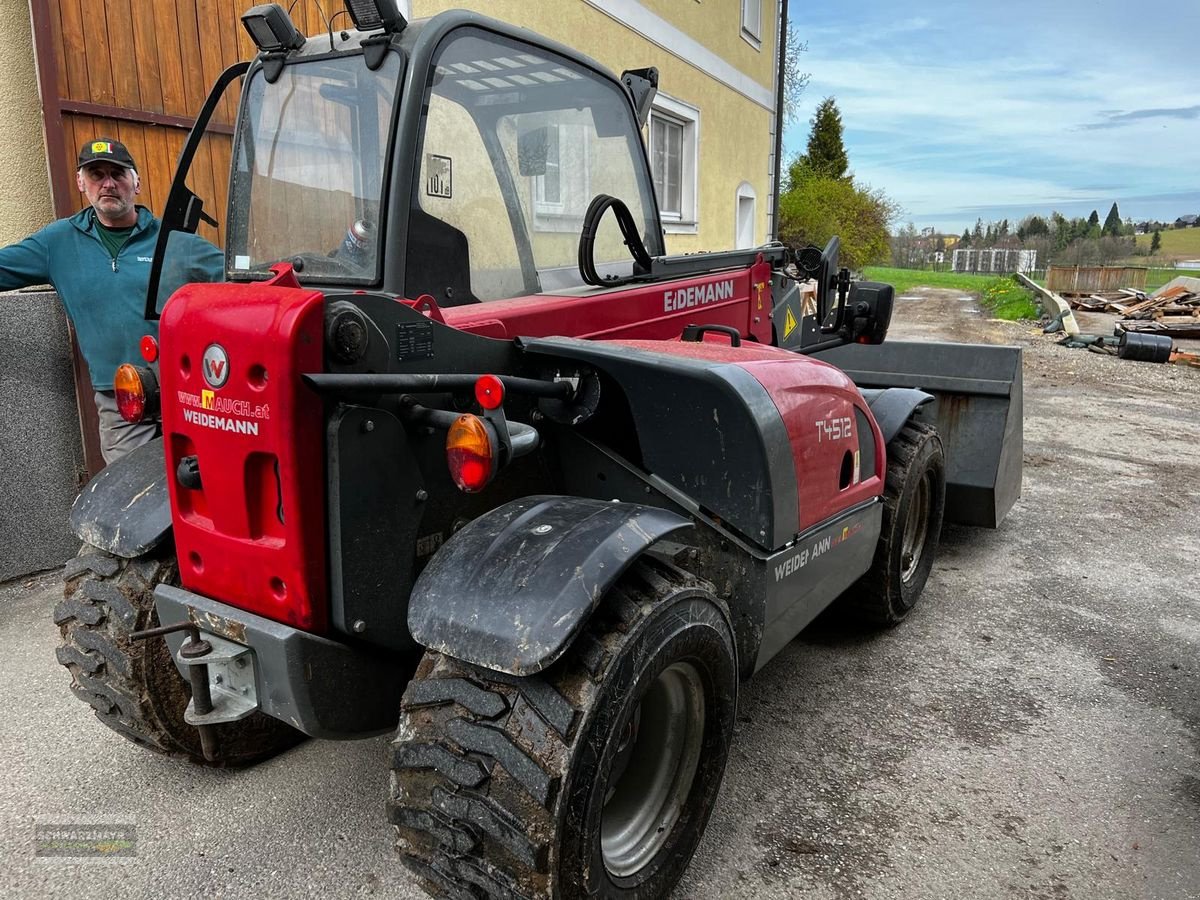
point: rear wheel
(595, 777)
(133, 686)
(913, 501)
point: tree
(965, 240)
(1094, 218)
(1155, 242)
(794, 81)
(1112, 222)
(1032, 227)
(814, 209)
(825, 155)
(977, 234)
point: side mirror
(533, 146)
(870, 311)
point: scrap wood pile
(1172, 310)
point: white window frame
(687, 116)
(752, 23)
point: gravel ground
(1033, 730)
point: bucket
(1144, 347)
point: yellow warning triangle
(789, 323)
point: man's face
(110, 189)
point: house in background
(66, 75)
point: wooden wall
(139, 71)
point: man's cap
(105, 150)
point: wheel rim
(654, 770)
(916, 529)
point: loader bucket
(979, 414)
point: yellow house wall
(735, 132)
(24, 188)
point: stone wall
(41, 453)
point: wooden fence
(1094, 279)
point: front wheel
(594, 778)
(913, 502)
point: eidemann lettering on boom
(698, 295)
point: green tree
(1094, 218)
(1031, 227)
(825, 155)
(816, 208)
(1155, 242)
(965, 241)
(1112, 222)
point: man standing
(98, 261)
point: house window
(752, 22)
(549, 186)
(666, 141)
(745, 206)
(562, 192)
(674, 142)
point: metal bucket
(979, 414)
(1154, 348)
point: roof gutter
(781, 50)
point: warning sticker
(789, 323)
(438, 177)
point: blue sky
(996, 110)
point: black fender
(126, 509)
(512, 589)
(892, 407)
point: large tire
(133, 686)
(914, 499)
(594, 778)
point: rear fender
(126, 509)
(512, 589)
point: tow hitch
(222, 679)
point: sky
(998, 110)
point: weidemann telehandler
(458, 452)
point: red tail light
(470, 453)
(137, 393)
(489, 391)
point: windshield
(308, 174)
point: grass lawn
(1181, 242)
(906, 279)
(1000, 294)
(1156, 278)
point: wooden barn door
(139, 71)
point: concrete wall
(41, 455)
(24, 186)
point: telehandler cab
(458, 452)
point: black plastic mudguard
(126, 509)
(511, 590)
(892, 407)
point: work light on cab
(470, 453)
(136, 390)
